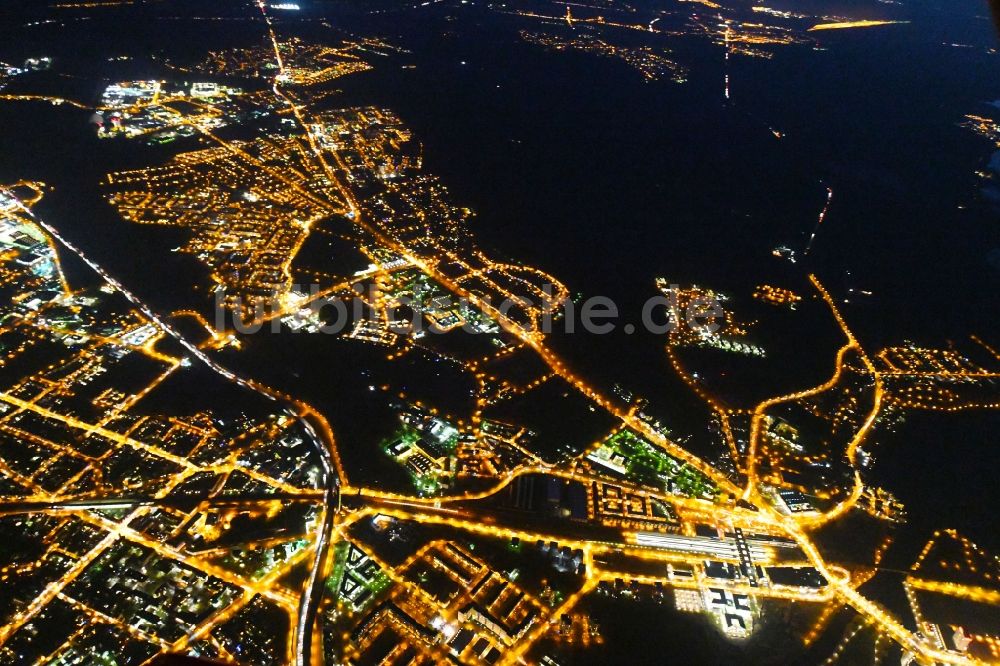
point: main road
(306, 415)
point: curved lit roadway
(311, 422)
(321, 435)
(792, 527)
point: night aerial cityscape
(499, 332)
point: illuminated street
(288, 399)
